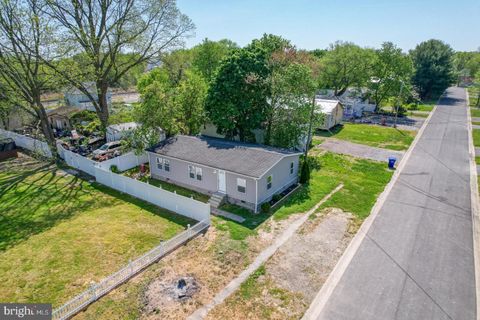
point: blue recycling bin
(391, 162)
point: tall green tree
(344, 65)
(25, 36)
(391, 69)
(107, 32)
(208, 56)
(294, 87)
(237, 98)
(172, 104)
(433, 62)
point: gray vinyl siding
(179, 173)
(232, 191)
(281, 178)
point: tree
(237, 98)
(477, 85)
(24, 37)
(295, 87)
(390, 70)
(208, 56)
(107, 32)
(433, 64)
(344, 65)
(157, 109)
(190, 99)
(175, 105)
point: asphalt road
(416, 261)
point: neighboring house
(353, 100)
(116, 132)
(244, 174)
(76, 98)
(333, 111)
(59, 118)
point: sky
(312, 24)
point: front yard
(61, 233)
(371, 135)
(228, 247)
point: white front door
(222, 186)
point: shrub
(305, 172)
(114, 168)
(276, 197)
(265, 207)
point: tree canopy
(433, 62)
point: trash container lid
(392, 158)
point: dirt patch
(290, 280)
(166, 291)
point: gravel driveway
(359, 150)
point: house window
(291, 167)
(191, 172)
(241, 185)
(166, 164)
(269, 182)
(199, 174)
(159, 163)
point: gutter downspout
(256, 195)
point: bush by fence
(96, 291)
(28, 143)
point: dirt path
(290, 280)
(261, 258)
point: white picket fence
(96, 291)
(185, 206)
(188, 207)
(28, 143)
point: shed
(116, 132)
(333, 111)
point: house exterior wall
(179, 175)
(281, 178)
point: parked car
(108, 150)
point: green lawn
(474, 112)
(168, 186)
(477, 160)
(421, 107)
(476, 137)
(60, 233)
(473, 94)
(363, 181)
(372, 135)
(476, 123)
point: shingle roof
(247, 159)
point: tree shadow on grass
(158, 211)
(33, 201)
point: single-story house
(59, 118)
(242, 173)
(76, 98)
(333, 111)
(116, 132)
(354, 101)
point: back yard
(371, 135)
(61, 233)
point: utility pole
(398, 104)
(310, 125)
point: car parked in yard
(108, 150)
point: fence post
(189, 231)
(92, 291)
